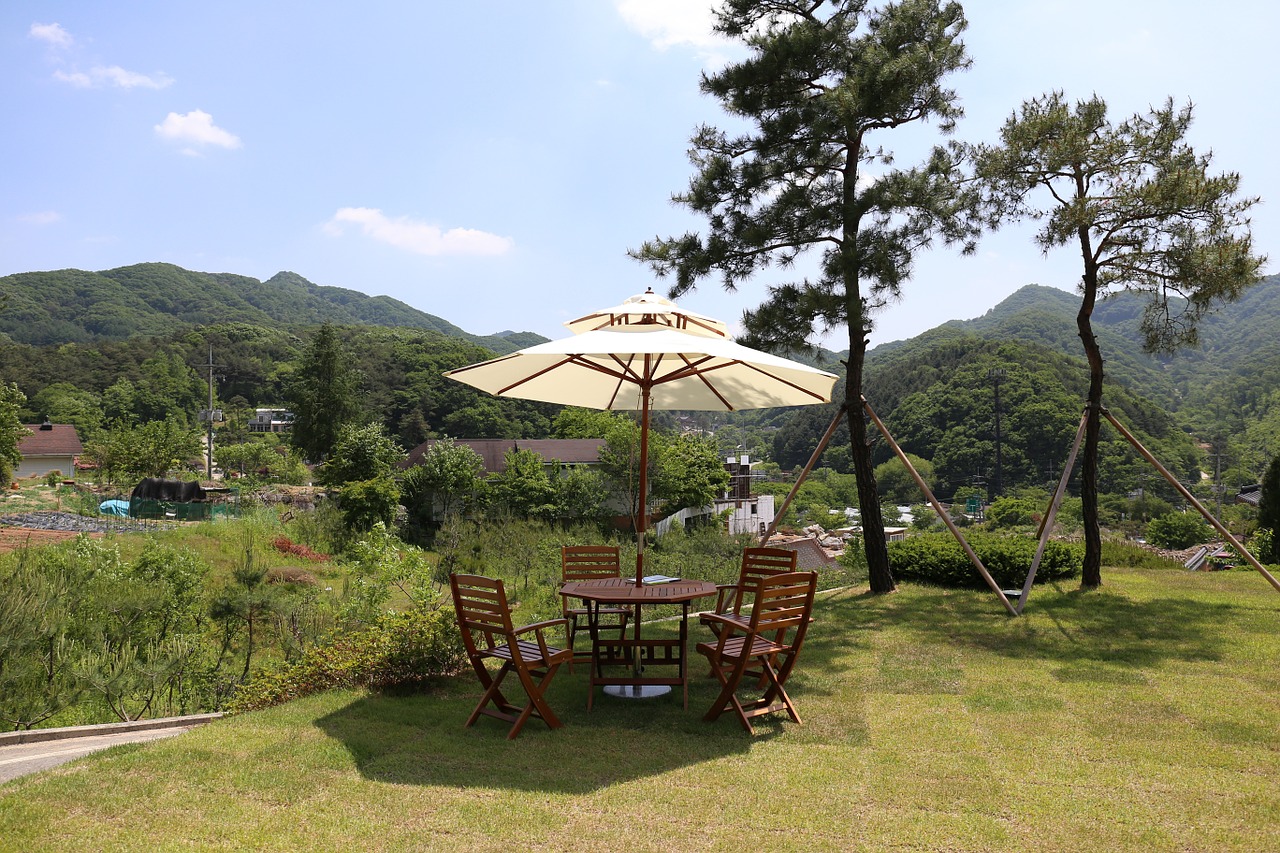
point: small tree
(12, 431)
(1146, 216)
(445, 478)
(322, 395)
(362, 453)
(1177, 530)
(523, 488)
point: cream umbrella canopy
(644, 364)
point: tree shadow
(1098, 635)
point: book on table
(652, 579)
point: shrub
(402, 651)
(1177, 530)
(1012, 512)
(937, 558)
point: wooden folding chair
(768, 643)
(733, 601)
(583, 563)
(484, 618)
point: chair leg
(492, 693)
(537, 706)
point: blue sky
(491, 163)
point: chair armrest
(726, 597)
(538, 628)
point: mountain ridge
(78, 306)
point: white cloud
(196, 127)
(670, 22)
(43, 217)
(52, 34)
(419, 237)
(679, 23)
(114, 75)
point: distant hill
(1240, 338)
(75, 306)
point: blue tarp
(120, 508)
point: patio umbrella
(645, 355)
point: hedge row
(937, 558)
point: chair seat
(732, 649)
(529, 652)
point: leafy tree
(128, 453)
(581, 494)
(690, 474)
(1146, 216)
(1177, 530)
(64, 403)
(573, 422)
(823, 82)
(445, 478)
(523, 488)
(362, 453)
(368, 502)
(1269, 511)
(322, 395)
(895, 481)
(1013, 512)
(12, 431)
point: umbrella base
(636, 691)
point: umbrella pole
(642, 521)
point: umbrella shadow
(422, 740)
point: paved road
(20, 759)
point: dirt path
(13, 538)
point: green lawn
(1139, 717)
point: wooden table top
(625, 591)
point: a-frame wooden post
(1182, 490)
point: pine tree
(1146, 216)
(323, 395)
(823, 84)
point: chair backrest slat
(784, 601)
(590, 562)
(481, 604)
(760, 563)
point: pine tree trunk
(1091, 574)
(873, 540)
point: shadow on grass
(421, 739)
(1093, 635)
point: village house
(49, 447)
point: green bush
(1012, 512)
(1177, 530)
(937, 558)
(402, 651)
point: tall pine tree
(322, 395)
(823, 86)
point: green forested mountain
(74, 306)
(1238, 338)
(936, 397)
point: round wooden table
(638, 652)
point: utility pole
(209, 415)
(996, 374)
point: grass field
(1142, 716)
